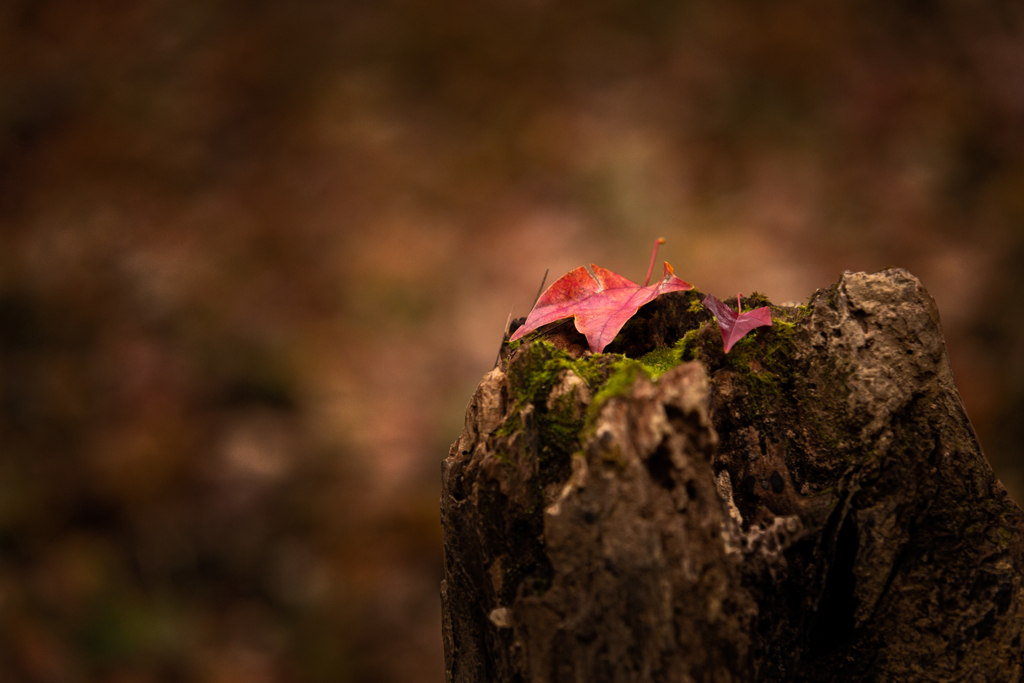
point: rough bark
(813, 506)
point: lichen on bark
(813, 505)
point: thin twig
(504, 336)
(508, 322)
(541, 290)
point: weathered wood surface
(812, 507)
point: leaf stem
(658, 242)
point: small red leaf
(735, 325)
(601, 303)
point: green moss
(507, 428)
(696, 307)
(533, 374)
(688, 347)
(756, 300)
(619, 382)
(765, 387)
(765, 361)
(779, 353)
(558, 438)
(537, 366)
(660, 361)
(536, 369)
(767, 365)
(778, 389)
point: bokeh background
(255, 257)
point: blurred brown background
(255, 257)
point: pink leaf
(601, 303)
(735, 325)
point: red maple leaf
(735, 324)
(601, 302)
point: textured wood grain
(814, 506)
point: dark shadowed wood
(813, 506)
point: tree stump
(812, 506)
